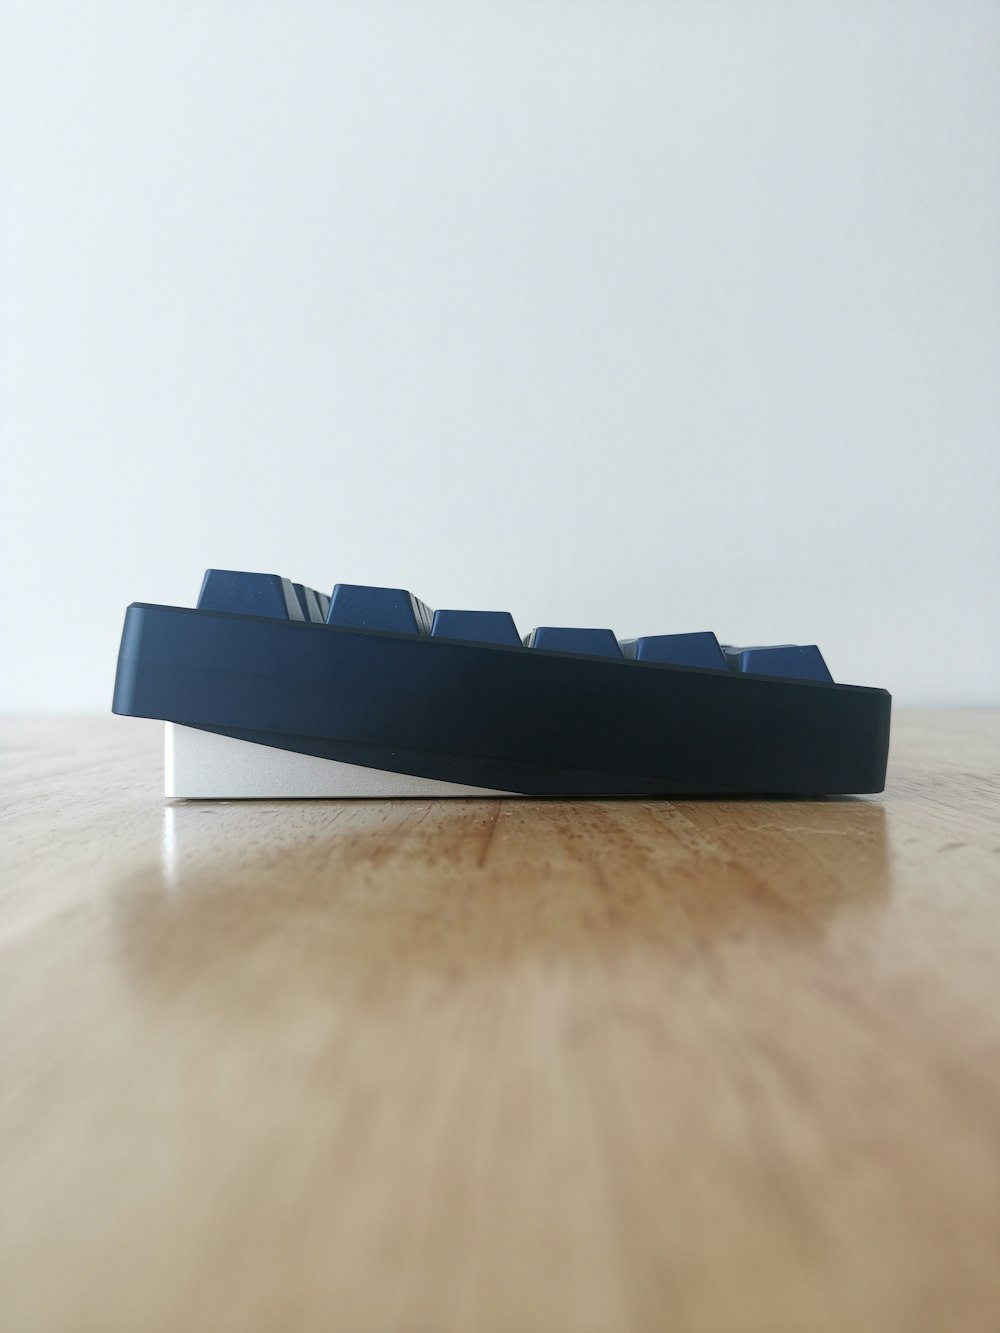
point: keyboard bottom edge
(205, 762)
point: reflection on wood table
(531, 1065)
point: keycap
(476, 626)
(357, 606)
(793, 661)
(249, 594)
(309, 603)
(686, 650)
(324, 604)
(596, 642)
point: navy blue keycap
(309, 603)
(793, 661)
(356, 606)
(476, 626)
(596, 642)
(249, 594)
(685, 650)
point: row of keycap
(354, 606)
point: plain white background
(663, 316)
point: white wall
(660, 316)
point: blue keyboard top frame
(372, 676)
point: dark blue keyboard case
(374, 677)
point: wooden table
(531, 1065)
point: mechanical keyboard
(272, 689)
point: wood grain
(523, 1065)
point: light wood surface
(525, 1065)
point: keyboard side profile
(292, 694)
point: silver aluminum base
(201, 765)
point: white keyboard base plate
(200, 765)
